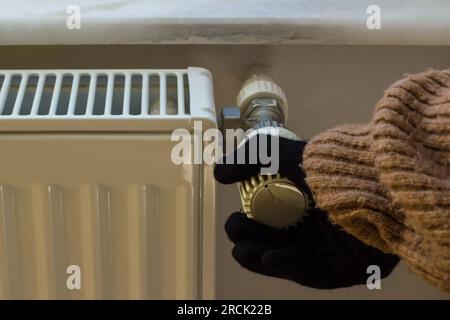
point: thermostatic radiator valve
(270, 199)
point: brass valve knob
(273, 200)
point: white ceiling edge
(420, 22)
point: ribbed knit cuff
(341, 173)
(388, 182)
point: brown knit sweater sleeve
(388, 182)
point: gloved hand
(315, 252)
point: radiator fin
(10, 281)
(111, 234)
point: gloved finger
(241, 228)
(310, 272)
(246, 162)
(232, 173)
(248, 254)
(240, 164)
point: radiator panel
(87, 184)
(130, 237)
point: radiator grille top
(104, 99)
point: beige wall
(326, 86)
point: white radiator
(86, 180)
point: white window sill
(418, 22)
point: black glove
(315, 253)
